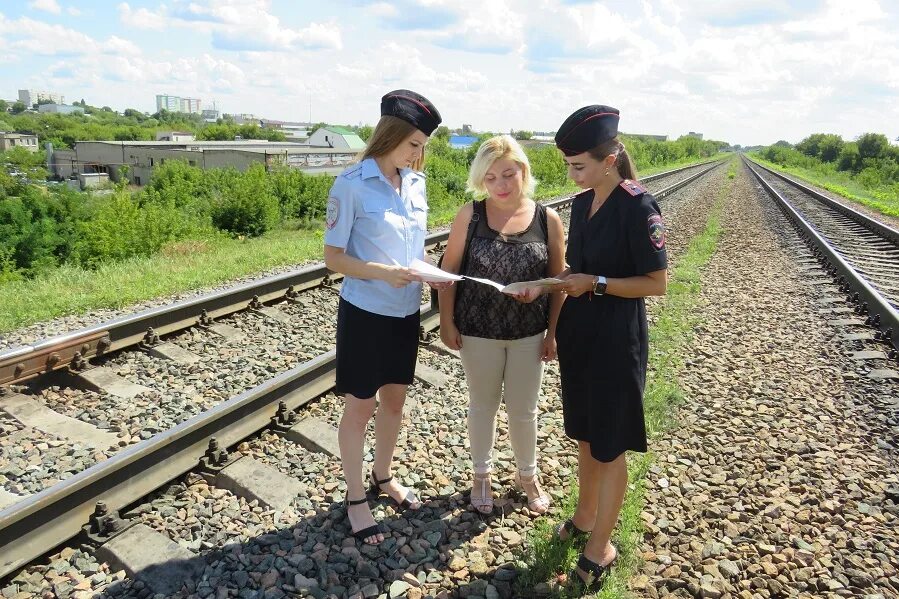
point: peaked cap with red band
(413, 108)
(586, 128)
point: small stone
(398, 588)
(728, 568)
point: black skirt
(603, 347)
(374, 350)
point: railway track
(31, 526)
(861, 253)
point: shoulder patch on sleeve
(632, 187)
(656, 229)
(332, 215)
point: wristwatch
(599, 285)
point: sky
(747, 72)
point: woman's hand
(450, 335)
(578, 284)
(528, 295)
(399, 276)
(440, 285)
(548, 351)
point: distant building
(8, 141)
(166, 102)
(339, 138)
(694, 134)
(462, 141)
(177, 104)
(179, 136)
(142, 157)
(191, 105)
(61, 109)
(243, 117)
(466, 129)
(293, 131)
(211, 116)
(30, 97)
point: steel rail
(40, 522)
(875, 226)
(882, 314)
(21, 363)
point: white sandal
(483, 501)
(538, 501)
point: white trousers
(496, 370)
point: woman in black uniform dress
(616, 256)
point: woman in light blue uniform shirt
(376, 226)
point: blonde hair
(389, 133)
(623, 162)
(500, 147)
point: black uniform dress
(602, 340)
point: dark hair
(623, 161)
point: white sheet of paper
(496, 286)
(515, 288)
(430, 273)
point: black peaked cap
(586, 128)
(412, 108)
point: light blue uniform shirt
(370, 221)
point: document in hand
(430, 273)
(519, 287)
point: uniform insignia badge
(632, 187)
(656, 231)
(332, 213)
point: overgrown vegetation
(865, 170)
(546, 557)
(45, 227)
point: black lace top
(481, 310)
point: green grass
(546, 557)
(184, 266)
(179, 267)
(843, 185)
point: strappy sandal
(369, 531)
(482, 503)
(538, 504)
(595, 573)
(569, 528)
(408, 501)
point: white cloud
(246, 25)
(73, 11)
(46, 6)
(142, 18)
(748, 71)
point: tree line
(870, 160)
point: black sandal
(370, 531)
(408, 501)
(595, 573)
(574, 533)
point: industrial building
(9, 140)
(142, 157)
(60, 109)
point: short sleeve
(646, 231)
(340, 213)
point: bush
(120, 228)
(300, 196)
(248, 206)
(33, 232)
